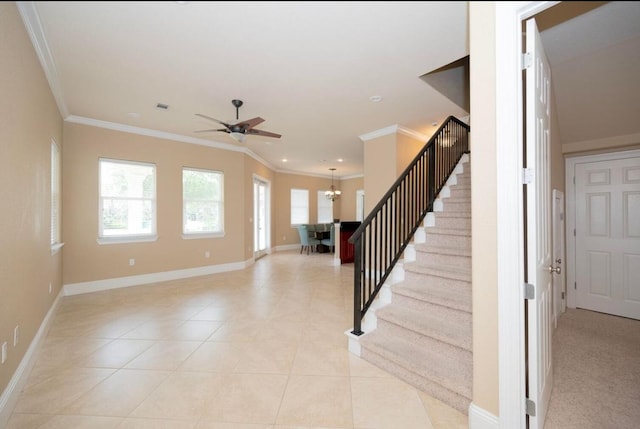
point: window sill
(197, 235)
(129, 239)
(55, 248)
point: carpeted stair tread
(462, 232)
(436, 367)
(455, 331)
(442, 250)
(452, 214)
(457, 298)
(448, 272)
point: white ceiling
(307, 68)
(595, 61)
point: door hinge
(574, 180)
(562, 295)
(529, 291)
(527, 175)
(574, 232)
(531, 407)
(526, 60)
(575, 285)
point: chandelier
(333, 193)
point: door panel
(538, 227)
(608, 236)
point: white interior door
(607, 244)
(538, 226)
(559, 284)
(260, 216)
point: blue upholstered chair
(307, 239)
(331, 241)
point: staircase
(424, 334)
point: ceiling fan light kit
(239, 130)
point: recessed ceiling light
(375, 98)
(284, 160)
(340, 160)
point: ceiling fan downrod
(237, 103)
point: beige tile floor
(261, 348)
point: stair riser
(451, 374)
(456, 400)
(461, 304)
(447, 240)
(458, 349)
(453, 206)
(459, 317)
(460, 193)
(420, 278)
(455, 199)
(462, 301)
(432, 258)
(463, 223)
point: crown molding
(166, 136)
(393, 129)
(33, 26)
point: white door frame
(509, 143)
(559, 259)
(267, 220)
(570, 168)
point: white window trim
(129, 238)
(208, 234)
(56, 172)
(198, 235)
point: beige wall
(483, 206)
(349, 187)
(86, 260)
(406, 150)
(284, 233)
(392, 149)
(29, 119)
(378, 152)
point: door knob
(554, 270)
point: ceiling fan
(239, 130)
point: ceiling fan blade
(263, 133)
(208, 131)
(213, 119)
(250, 123)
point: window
(202, 202)
(325, 208)
(299, 206)
(127, 200)
(55, 196)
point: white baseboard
(286, 247)
(119, 282)
(480, 418)
(10, 395)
